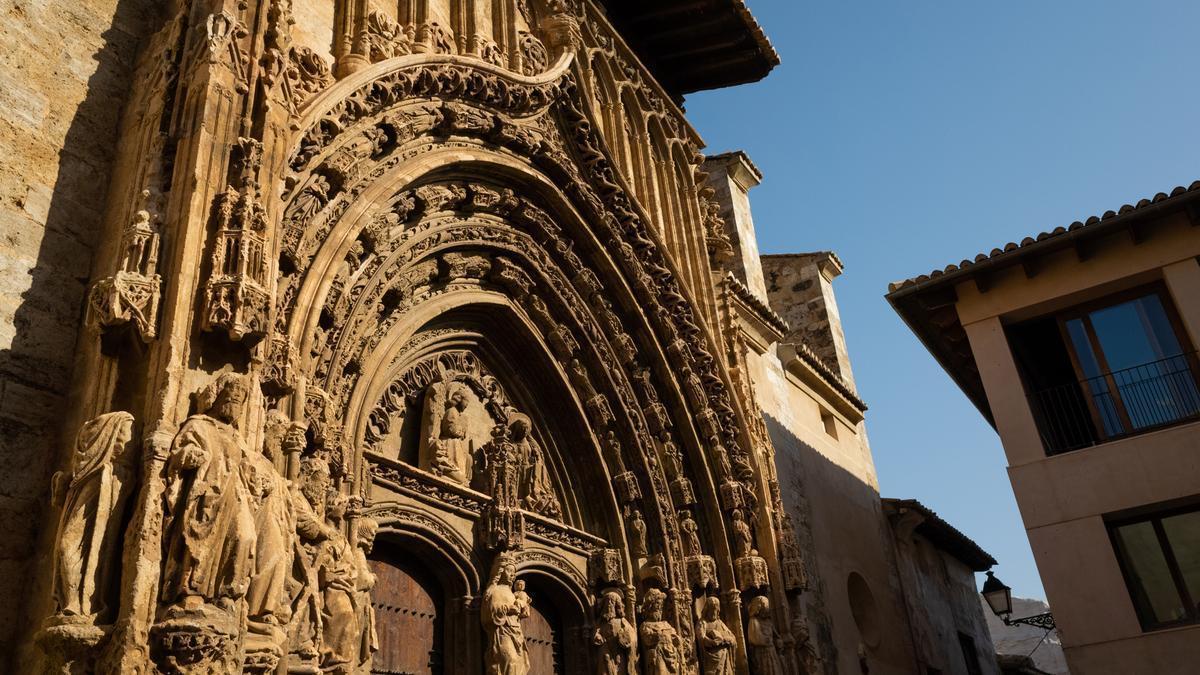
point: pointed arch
(382, 165)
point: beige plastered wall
(1064, 498)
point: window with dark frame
(970, 654)
(1107, 369)
(1160, 558)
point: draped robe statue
(445, 449)
(267, 600)
(763, 638)
(716, 640)
(93, 496)
(209, 529)
(507, 653)
(614, 637)
(660, 642)
(536, 489)
(365, 583)
(308, 498)
(336, 572)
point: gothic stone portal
(412, 362)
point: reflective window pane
(1183, 533)
(1154, 593)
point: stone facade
(415, 338)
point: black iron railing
(1117, 404)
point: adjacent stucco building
(1078, 346)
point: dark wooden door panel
(543, 635)
(408, 620)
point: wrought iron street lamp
(999, 598)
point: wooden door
(408, 619)
(543, 635)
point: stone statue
(614, 638)
(507, 653)
(660, 643)
(524, 602)
(690, 534)
(637, 532)
(445, 448)
(209, 524)
(336, 574)
(764, 640)
(502, 468)
(309, 497)
(93, 496)
(536, 489)
(742, 534)
(807, 651)
(365, 583)
(716, 640)
(268, 608)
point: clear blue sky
(909, 135)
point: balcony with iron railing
(1118, 404)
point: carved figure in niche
(268, 608)
(742, 534)
(209, 525)
(502, 468)
(445, 448)
(690, 534)
(365, 583)
(309, 497)
(716, 640)
(764, 640)
(660, 643)
(615, 638)
(637, 533)
(93, 496)
(336, 574)
(507, 653)
(536, 489)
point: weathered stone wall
(64, 73)
(800, 288)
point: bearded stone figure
(763, 638)
(268, 608)
(93, 495)
(660, 642)
(336, 572)
(716, 640)
(209, 530)
(614, 638)
(308, 497)
(507, 653)
(445, 449)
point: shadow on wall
(54, 189)
(841, 529)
